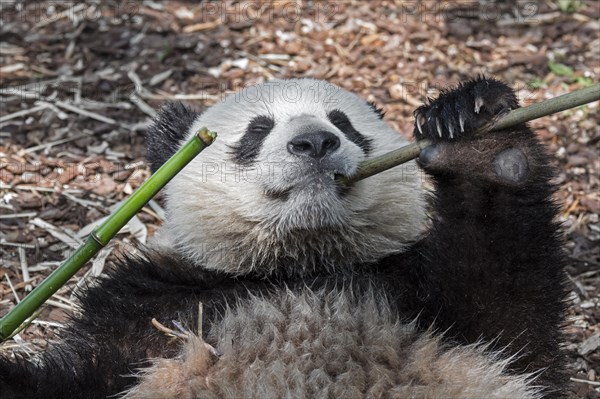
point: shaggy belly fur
(326, 345)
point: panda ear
(167, 131)
(378, 110)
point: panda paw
(458, 113)
(451, 122)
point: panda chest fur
(325, 344)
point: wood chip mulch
(79, 82)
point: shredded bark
(80, 81)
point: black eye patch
(342, 122)
(246, 150)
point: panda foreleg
(492, 265)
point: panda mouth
(325, 181)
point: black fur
(167, 132)
(247, 149)
(493, 258)
(342, 122)
(489, 269)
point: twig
(157, 209)
(12, 288)
(24, 112)
(68, 239)
(83, 202)
(24, 267)
(160, 77)
(43, 266)
(48, 323)
(57, 142)
(163, 95)
(65, 300)
(83, 112)
(137, 82)
(18, 215)
(184, 334)
(17, 244)
(58, 304)
(136, 98)
(59, 113)
(142, 105)
(513, 118)
(201, 26)
(594, 383)
(12, 68)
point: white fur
(327, 345)
(220, 217)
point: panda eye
(260, 125)
(340, 120)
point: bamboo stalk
(520, 115)
(103, 234)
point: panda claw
(420, 119)
(457, 114)
(478, 104)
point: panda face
(289, 142)
(271, 173)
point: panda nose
(314, 144)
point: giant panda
(313, 289)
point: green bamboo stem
(520, 115)
(103, 234)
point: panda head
(263, 197)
